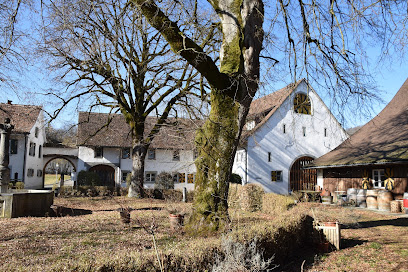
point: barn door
(302, 179)
(106, 173)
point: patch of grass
(375, 245)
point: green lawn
(49, 179)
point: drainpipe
(246, 166)
(24, 157)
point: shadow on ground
(398, 222)
(60, 211)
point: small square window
(190, 178)
(151, 154)
(325, 132)
(269, 156)
(39, 173)
(284, 128)
(98, 152)
(182, 177)
(150, 177)
(276, 176)
(304, 131)
(176, 155)
(30, 172)
(126, 153)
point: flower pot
(323, 247)
(329, 224)
(176, 221)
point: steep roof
(263, 108)
(111, 130)
(382, 140)
(23, 117)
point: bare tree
(318, 40)
(111, 57)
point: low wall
(25, 203)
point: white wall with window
(295, 129)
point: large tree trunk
(218, 139)
(215, 144)
(139, 151)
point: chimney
(9, 102)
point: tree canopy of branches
(111, 57)
(318, 40)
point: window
(276, 176)
(269, 156)
(125, 175)
(30, 172)
(325, 132)
(176, 178)
(304, 131)
(151, 154)
(190, 178)
(39, 173)
(13, 146)
(98, 152)
(31, 151)
(176, 155)
(39, 151)
(150, 177)
(126, 153)
(284, 128)
(36, 132)
(15, 176)
(378, 178)
(182, 177)
(301, 104)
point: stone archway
(65, 158)
(106, 174)
(302, 179)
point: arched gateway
(302, 179)
(106, 173)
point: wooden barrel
(371, 199)
(361, 198)
(395, 206)
(384, 199)
(352, 196)
(327, 200)
(405, 202)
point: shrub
(87, 178)
(19, 185)
(164, 180)
(274, 204)
(235, 178)
(251, 197)
(238, 256)
(234, 196)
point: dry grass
(101, 242)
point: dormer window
(301, 104)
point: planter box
(332, 233)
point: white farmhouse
(104, 142)
(26, 143)
(286, 130)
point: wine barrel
(405, 202)
(352, 196)
(384, 198)
(371, 199)
(361, 198)
(395, 206)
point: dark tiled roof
(382, 140)
(111, 130)
(23, 117)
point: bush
(238, 256)
(251, 197)
(87, 178)
(235, 178)
(234, 196)
(274, 204)
(19, 185)
(164, 180)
